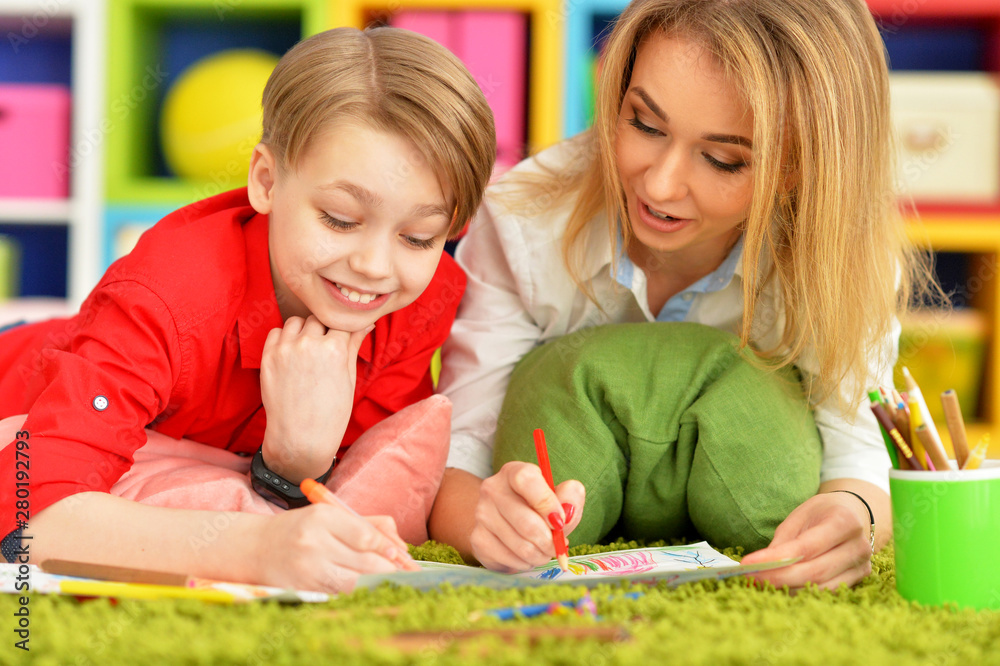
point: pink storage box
(494, 47)
(34, 140)
(434, 24)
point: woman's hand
(307, 379)
(830, 532)
(323, 547)
(512, 530)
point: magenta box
(34, 140)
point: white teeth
(356, 297)
(660, 215)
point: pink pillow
(393, 469)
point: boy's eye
(420, 243)
(333, 222)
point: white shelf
(35, 211)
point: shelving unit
(82, 23)
(967, 230)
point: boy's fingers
(293, 325)
(271, 340)
(357, 337)
(313, 327)
(361, 535)
(387, 526)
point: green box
(136, 83)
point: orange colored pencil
(558, 538)
(317, 493)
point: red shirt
(171, 338)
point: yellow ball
(212, 115)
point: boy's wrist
(295, 462)
(276, 488)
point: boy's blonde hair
(824, 208)
(394, 81)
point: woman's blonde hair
(824, 210)
(394, 81)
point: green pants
(671, 430)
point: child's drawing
(673, 564)
(635, 562)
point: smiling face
(356, 228)
(683, 150)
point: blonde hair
(394, 81)
(823, 210)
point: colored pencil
(558, 538)
(874, 396)
(914, 390)
(956, 426)
(897, 439)
(317, 493)
(116, 573)
(978, 454)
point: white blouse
(521, 295)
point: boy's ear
(260, 182)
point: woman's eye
(725, 167)
(642, 127)
(420, 243)
(331, 221)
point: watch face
(273, 487)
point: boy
(317, 295)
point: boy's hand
(512, 531)
(324, 547)
(307, 377)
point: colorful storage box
(948, 132)
(494, 46)
(34, 135)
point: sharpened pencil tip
(563, 562)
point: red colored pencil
(558, 538)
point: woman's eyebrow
(728, 138)
(653, 106)
(713, 137)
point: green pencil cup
(946, 528)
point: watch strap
(275, 488)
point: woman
(739, 176)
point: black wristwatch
(275, 488)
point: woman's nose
(666, 179)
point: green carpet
(709, 622)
